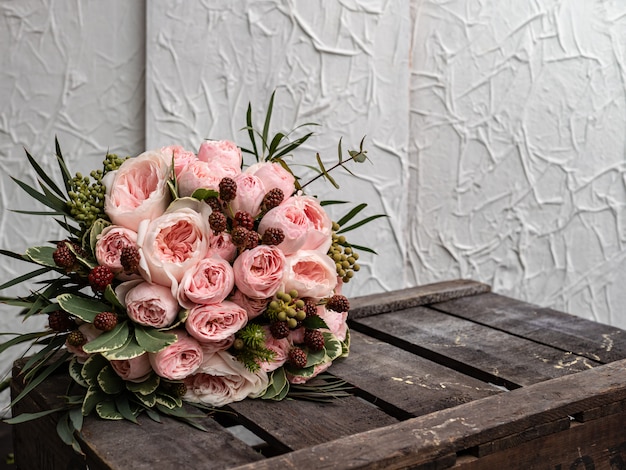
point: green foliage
(249, 347)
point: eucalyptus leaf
(64, 430)
(82, 307)
(153, 415)
(76, 418)
(110, 340)
(25, 417)
(350, 215)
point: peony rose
(250, 194)
(259, 271)
(335, 321)
(137, 190)
(196, 175)
(280, 347)
(172, 244)
(254, 307)
(222, 245)
(181, 157)
(134, 370)
(211, 347)
(311, 273)
(215, 322)
(178, 360)
(273, 175)
(222, 379)
(304, 223)
(150, 304)
(90, 332)
(109, 246)
(210, 281)
(221, 154)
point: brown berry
(63, 256)
(272, 199)
(243, 219)
(105, 321)
(338, 303)
(279, 329)
(100, 277)
(314, 339)
(217, 221)
(76, 338)
(228, 189)
(60, 321)
(129, 258)
(273, 236)
(297, 357)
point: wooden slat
(583, 337)
(511, 358)
(409, 382)
(376, 304)
(295, 424)
(417, 442)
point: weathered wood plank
(598, 445)
(411, 383)
(417, 442)
(376, 304)
(295, 424)
(582, 337)
(513, 359)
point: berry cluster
(343, 255)
(288, 308)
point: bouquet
(187, 277)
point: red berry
(297, 357)
(314, 339)
(105, 321)
(100, 277)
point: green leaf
(45, 213)
(180, 319)
(109, 381)
(274, 144)
(96, 229)
(75, 369)
(251, 132)
(76, 418)
(123, 406)
(82, 307)
(202, 194)
(64, 171)
(24, 277)
(167, 401)
(64, 430)
(324, 172)
(350, 215)
(44, 354)
(108, 410)
(153, 415)
(331, 202)
(52, 204)
(22, 339)
(41, 377)
(91, 368)
(25, 417)
(148, 401)
(146, 387)
(332, 346)
(278, 382)
(43, 175)
(111, 297)
(360, 223)
(93, 396)
(42, 255)
(362, 248)
(153, 340)
(268, 118)
(129, 350)
(314, 358)
(293, 145)
(109, 341)
(60, 205)
(313, 322)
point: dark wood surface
(448, 375)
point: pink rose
(250, 194)
(196, 175)
(134, 370)
(178, 360)
(172, 244)
(149, 304)
(273, 175)
(211, 347)
(280, 347)
(221, 154)
(336, 322)
(111, 241)
(137, 190)
(210, 281)
(259, 271)
(222, 245)
(215, 322)
(222, 379)
(253, 307)
(181, 157)
(90, 332)
(311, 273)
(304, 223)
(318, 369)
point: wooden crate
(446, 376)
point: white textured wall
(518, 118)
(495, 128)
